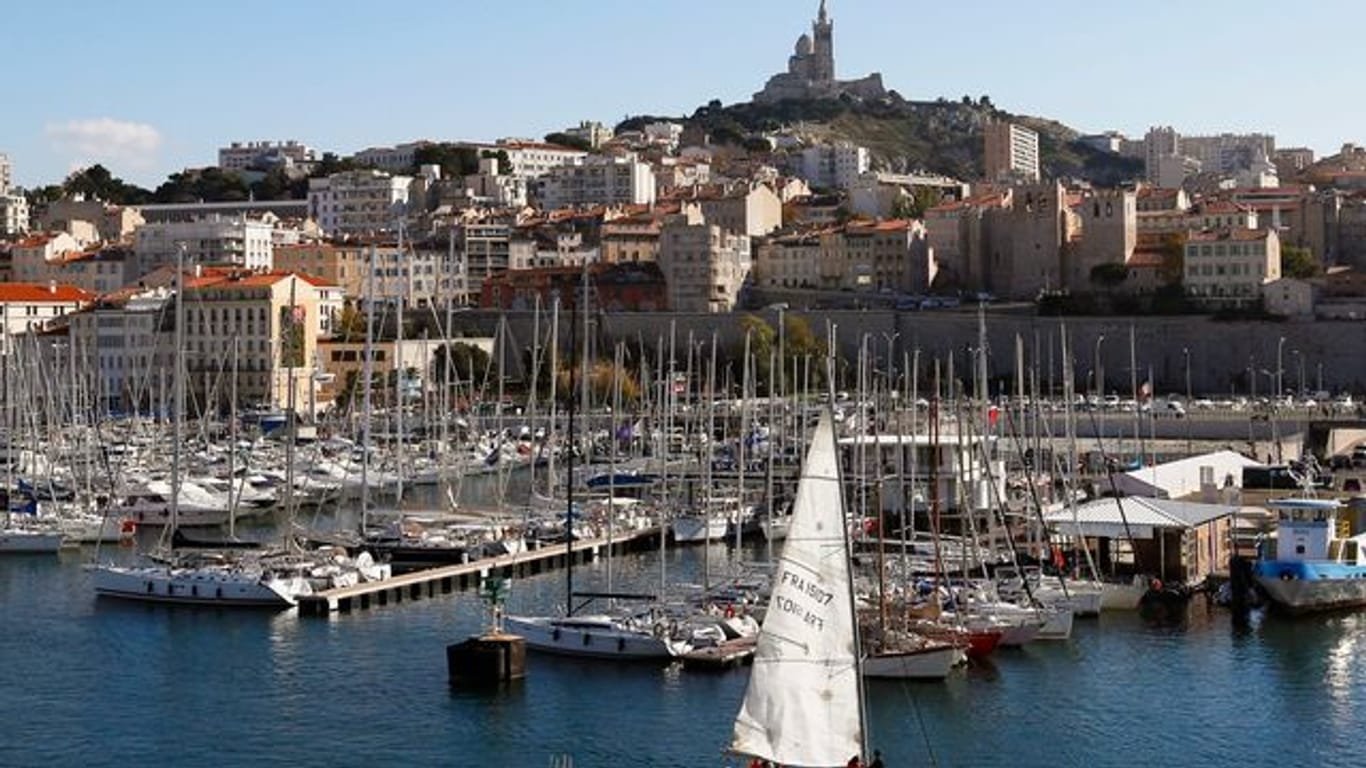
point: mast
(178, 431)
(367, 377)
(232, 452)
(401, 372)
(295, 326)
(569, 487)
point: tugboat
(1317, 565)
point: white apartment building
(1011, 153)
(834, 165)
(531, 159)
(494, 188)
(30, 307)
(357, 202)
(665, 134)
(397, 159)
(215, 240)
(242, 155)
(32, 258)
(98, 270)
(704, 266)
(14, 214)
(126, 343)
(1230, 267)
(597, 181)
(414, 276)
(793, 260)
(6, 177)
(540, 250)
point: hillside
(940, 136)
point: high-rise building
(1011, 153)
(5, 179)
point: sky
(148, 87)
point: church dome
(804, 46)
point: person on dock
(877, 760)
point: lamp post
(1280, 369)
(1186, 353)
(1299, 364)
(1095, 367)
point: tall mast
(401, 371)
(367, 377)
(179, 399)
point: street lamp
(1190, 405)
(1095, 367)
(1299, 363)
(1280, 368)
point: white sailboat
(204, 579)
(804, 704)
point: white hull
(198, 586)
(29, 542)
(927, 664)
(590, 638)
(1058, 626)
(1305, 596)
(1120, 597)
(697, 529)
(1017, 634)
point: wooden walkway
(446, 579)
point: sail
(802, 706)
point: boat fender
(149, 587)
(730, 611)
(555, 634)
(194, 590)
(219, 593)
(621, 645)
(587, 639)
(1287, 575)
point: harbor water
(105, 683)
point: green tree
(469, 363)
(1173, 250)
(98, 183)
(211, 185)
(455, 161)
(565, 140)
(1110, 275)
(1299, 263)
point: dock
(731, 653)
(444, 580)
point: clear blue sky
(151, 86)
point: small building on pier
(1173, 540)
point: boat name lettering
(788, 605)
(809, 588)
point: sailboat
(635, 636)
(199, 578)
(804, 705)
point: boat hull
(30, 542)
(923, 664)
(194, 587)
(689, 530)
(552, 636)
(1309, 587)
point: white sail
(803, 703)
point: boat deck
(446, 579)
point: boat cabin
(1313, 530)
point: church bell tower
(823, 64)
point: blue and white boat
(1318, 565)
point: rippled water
(104, 683)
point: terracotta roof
(1145, 259)
(39, 293)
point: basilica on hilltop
(811, 70)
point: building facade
(1011, 153)
(597, 181)
(834, 166)
(1229, 268)
(244, 155)
(358, 202)
(704, 266)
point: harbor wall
(1225, 357)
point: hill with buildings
(938, 136)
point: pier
(447, 579)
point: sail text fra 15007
(803, 705)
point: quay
(446, 579)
